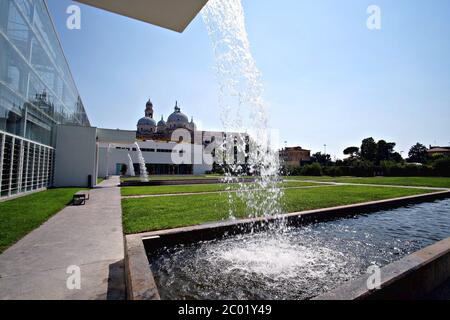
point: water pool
(297, 263)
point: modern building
(37, 93)
(46, 138)
(294, 157)
(161, 143)
(161, 158)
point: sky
(327, 78)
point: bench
(80, 198)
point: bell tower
(149, 109)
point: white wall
(108, 160)
(75, 156)
(115, 136)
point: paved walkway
(89, 237)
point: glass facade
(37, 92)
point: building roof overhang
(439, 150)
(170, 14)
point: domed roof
(146, 121)
(149, 103)
(161, 123)
(178, 117)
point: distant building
(158, 156)
(438, 150)
(161, 149)
(148, 129)
(295, 156)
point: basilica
(148, 129)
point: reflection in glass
(36, 87)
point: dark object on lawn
(80, 198)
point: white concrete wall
(115, 136)
(75, 156)
(108, 160)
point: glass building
(37, 92)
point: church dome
(177, 117)
(146, 121)
(161, 122)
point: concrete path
(89, 237)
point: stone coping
(139, 277)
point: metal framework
(25, 165)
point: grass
(173, 177)
(149, 214)
(161, 190)
(100, 180)
(20, 216)
(436, 182)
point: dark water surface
(299, 263)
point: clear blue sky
(328, 79)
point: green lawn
(148, 214)
(161, 190)
(20, 216)
(437, 182)
(173, 177)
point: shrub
(362, 168)
(292, 171)
(333, 171)
(442, 166)
(314, 169)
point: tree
(351, 151)
(323, 159)
(369, 150)
(418, 153)
(385, 151)
(396, 157)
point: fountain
(131, 167)
(243, 110)
(237, 261)
(299, 263)
(142, 166)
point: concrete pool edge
(412, 277)
(140, 282)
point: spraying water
(131, 167)
(142, 166)
(243, 111)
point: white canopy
(170, 14)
